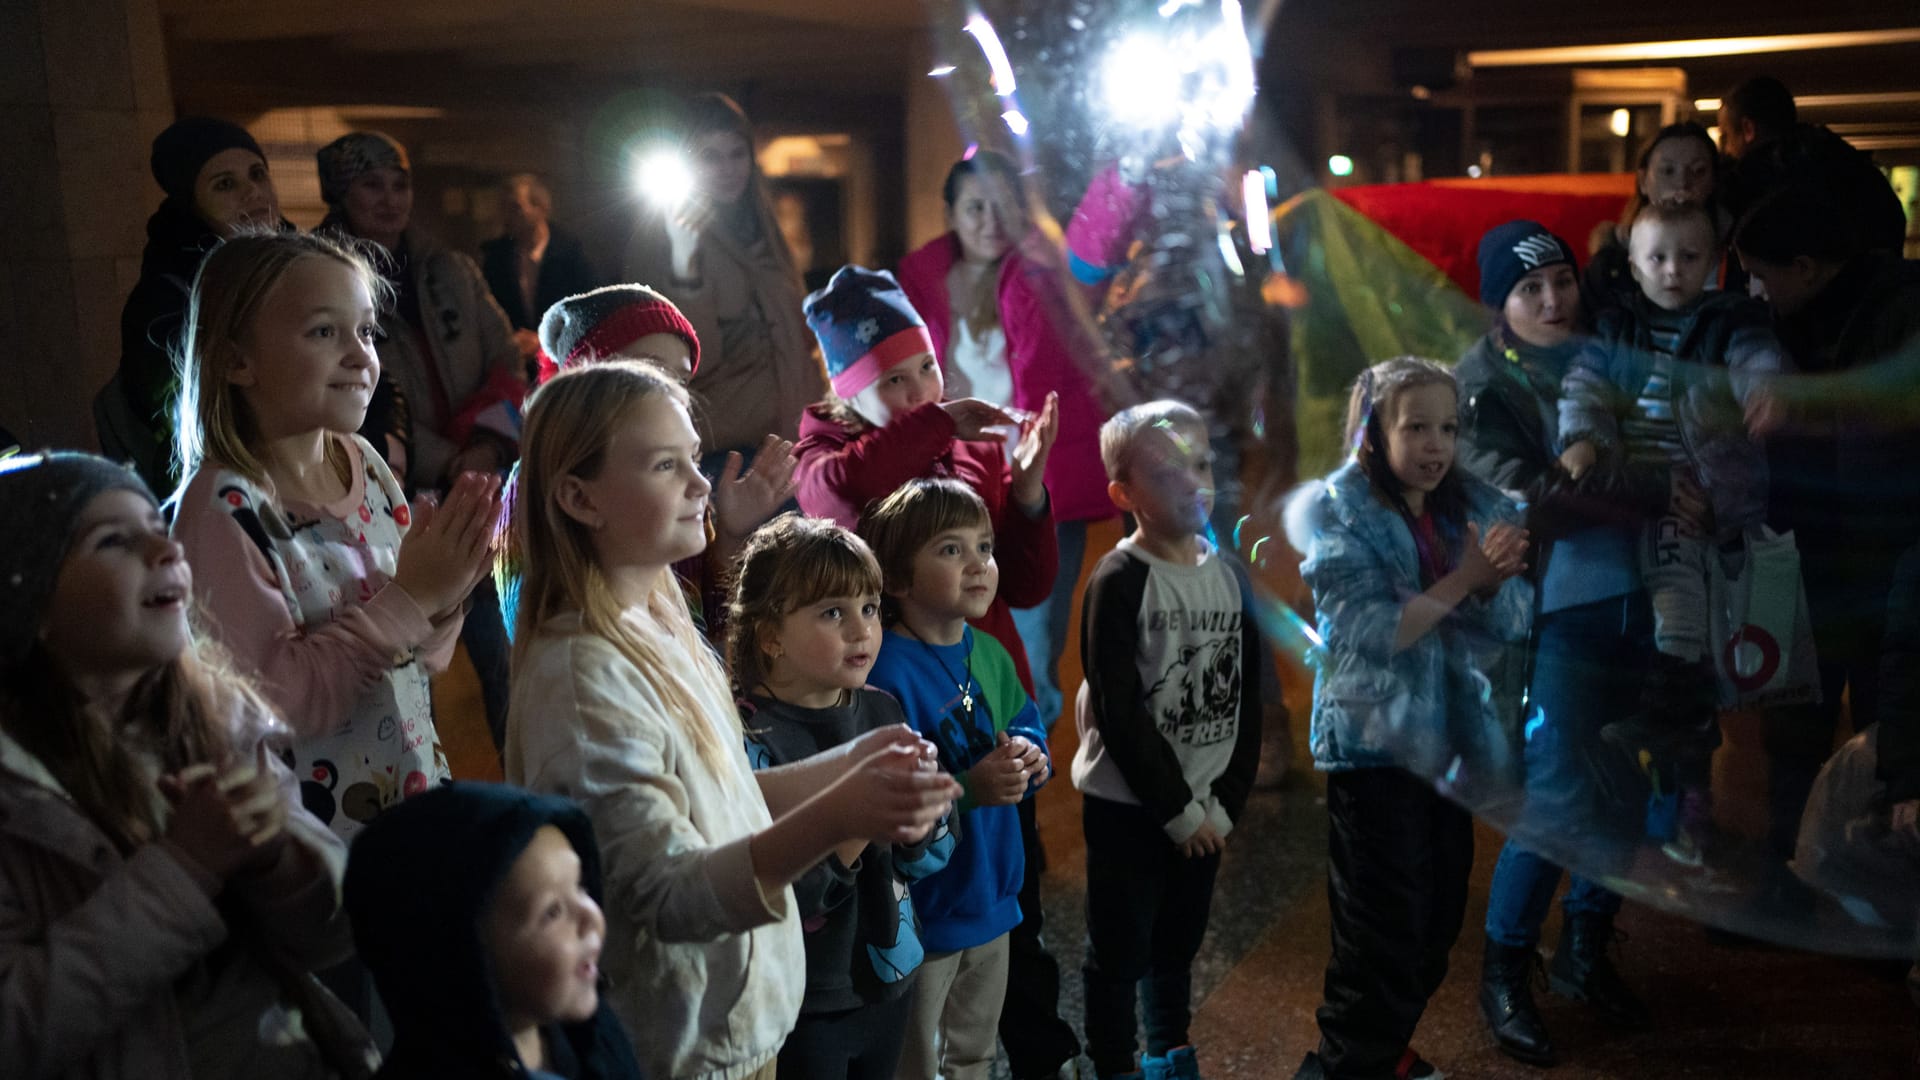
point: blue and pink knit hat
(865, 325)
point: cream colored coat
(706, 969)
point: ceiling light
(1689, 48)
(1706, 104)
(1620, 123)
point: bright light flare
(664, 177)
(1340, 165)
(941, 72)
(1620, 123)
(1253, 188)
(1016, 121)
(1201, 79)
(983, 32)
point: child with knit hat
(886, 423)
(165, 895)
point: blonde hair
(234, 281)
(788, 563)
(570, 422)
(1119, 434)
(898, 526)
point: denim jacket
(1428, 704)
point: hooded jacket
(1420, 706)
(418, 887)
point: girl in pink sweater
(312, 570)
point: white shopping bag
(1763, 653)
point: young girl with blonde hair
(312, 570)
(620, 704)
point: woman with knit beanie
(720, 256)
(216, 182)
(1591, 624)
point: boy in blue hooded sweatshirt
(477, 909)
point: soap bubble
(1265, 325)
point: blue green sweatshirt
(976, 898)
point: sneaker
(1184, 1063)
(1414, 1067)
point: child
(487, 951)
(804, 632)
(1169, 719)
(1414, 567)
(633, 322)
(312, 571)
(164, 894)
(934, 540)
(618, 703)
(885, 424)
(1659, 392)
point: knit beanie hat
(181, 151)
(865, 325)
(1510, 252)
(603, 322)
(355, 153)
(41, 499)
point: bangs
(838, 565)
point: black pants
(1398, 856)
(485, 635)
(1037, 1041)
(1847, 606)
(858, 1044)
(1146, 913)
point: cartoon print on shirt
(1196, 701)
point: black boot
(1581, 970)
(1506, 1001)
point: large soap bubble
(1195, 258)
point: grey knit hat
(41, 499)
(603, 322)
(352, 154)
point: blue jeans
(1043, 628)
(1583, 678)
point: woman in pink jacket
(993, 293)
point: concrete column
(83, 91)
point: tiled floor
(1721, 1012)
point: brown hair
(898, 526)
(788, 563)
(181, 712)
(235, 279)
(1685, 129)
(1375, 398)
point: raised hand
(1031, 758)
(1000, 778)
(226, 822)
(685, 223)
(972, 418)
(445, 553)
(887, 797)
(1030, 456)
(743, 501)
(1488, 561)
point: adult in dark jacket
(535, 264)
(1841, 455)
(436, 888)
(1593, 621)
(216, 182)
